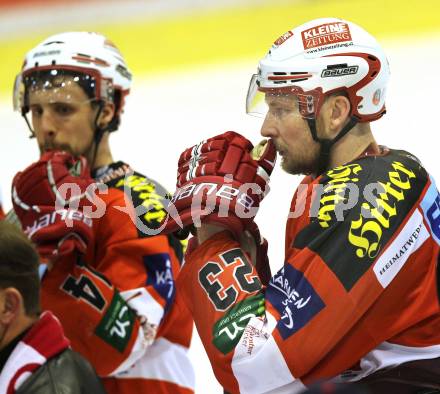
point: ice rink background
(171, 110)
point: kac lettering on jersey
(294, 298)
(328, 33)
(160, 275)
(56, 216)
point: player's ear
(339, 113)
(12, 301)
(106, 114)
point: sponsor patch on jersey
(280, 40)
(339, 70)
(392, 260)
(294, 298)
(229, 329)
(362, 222)
(160, 275)
(116, 326)
(431, 209)
(146, 196)
(328, 33)
(147, 201)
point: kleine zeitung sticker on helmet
(280, 40)
(328, 33)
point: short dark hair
(19, 262)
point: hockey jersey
(357, 294)
(118, 305)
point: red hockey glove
(49, 197)
(221, 181)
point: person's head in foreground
(19, 283)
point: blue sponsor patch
(431, 209)
(294, 298)
(160, 276)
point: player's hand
(221, 181)
(256, 247)
(49, 197)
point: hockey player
(109, 279)
(357, 297)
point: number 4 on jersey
(224, 280)
(84, 288)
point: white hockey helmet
(92, 56)
(317, 59)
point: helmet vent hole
(373, 74)
(374, 59)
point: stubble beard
(301, 162)
(50, 145)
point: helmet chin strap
(99, 133)
(326, 144)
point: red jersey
(357, 294)
(118, 306)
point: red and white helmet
(319, 58)
(89, 54)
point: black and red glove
(49, 197)
(221, 181)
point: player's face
(63, 119)
(290, 134)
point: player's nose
(268, 128)
(47, 126)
